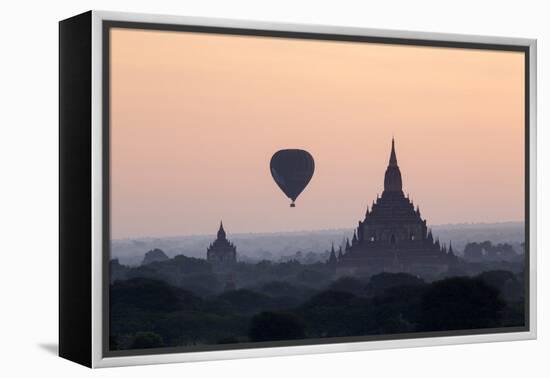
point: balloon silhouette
(292, 170)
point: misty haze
(311, 246)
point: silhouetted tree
(460, 303)
(349, 285)
(382, 281)
(312, 276)
(280, 288)
(331, 298)
(271, 326)
(154, 255)
(151, 295)
(244, 301)
(118, 271)
(505, 281)
(397, 309)
(336, 313)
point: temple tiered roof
(221, 251)
(393, 234)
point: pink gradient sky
(195, 119)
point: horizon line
(303, 230)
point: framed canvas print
(237, 189)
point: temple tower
(393, 233)
(221, 253)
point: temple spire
(393, 157)
(392, 178)
(221, 231)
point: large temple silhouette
(393, 236)
(221, 253)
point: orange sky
(195, 119)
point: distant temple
(393, 236)
(221, 253)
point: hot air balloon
(292, 170)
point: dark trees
(272, 326)
(383, 281)
(459, 303)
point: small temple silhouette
(221, 253)
(393, 236)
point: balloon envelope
(292, 170)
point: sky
(195, 119)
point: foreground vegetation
(185, 303)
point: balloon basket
(292, 204)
